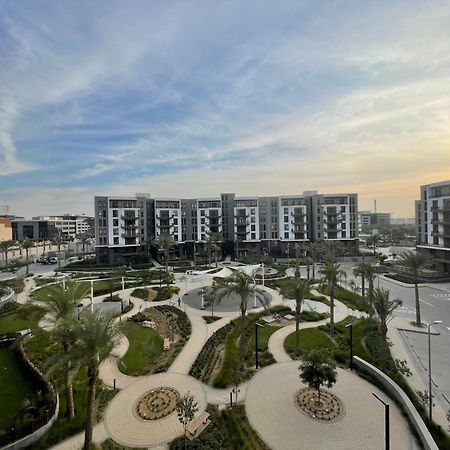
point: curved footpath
(267, 396)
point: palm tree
(371, 273)
(299, 292)
(85, 240)
(212, 245)
(58, 240)
(414, 262)
(360, 270)
(59, 306)
(165, 242)
(97, 335)
(314, 249)
(4, 248)
(26, 244)
(332, 272)
(373, 240)
(242, 285)
(308, 261)
(384, 307)
(332, 248)
(297, 261)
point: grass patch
(109, 444)
(144, 294)
(16, 284)
(348, 298)
(16, 389)
(165, 293)
(16, 319)
(145, 347)
(310, 339)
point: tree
(384, 308)
(332, 248)
(209, 297)
(414, 262)
(59, 306)
(186, 409)
(299, 292)
(314, 249)
(58, 240)
(242, 285)
(212, 245)
(318, 369)
(360, 271)
(297, 261)
(308, 262)
(165, 242)
(26, 244)
(4, 248)
(332, 272)
(373, 240)
(96, 335)
(85, 240)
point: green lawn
(16, 387)
(310, 338)
(263, 337)
(14, 320)
(145, 346)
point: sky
(194, 98)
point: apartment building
(69, 226)
(125, 225)
(5, 228)
(374, 219)
(433, 223)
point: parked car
(53, 260)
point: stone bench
(196, 426)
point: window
(253, 211)
(286, 210)
(286, 219)
(253, 235)
(202, 212)
(344, 234)
(116, 232)
(202, 220)
(175, 213)
(175, 221)
(286, 235)
(252, 219)
(253, 228)
(116, 241)
(115, 213)
(115, 222)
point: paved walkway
(273, 413)
(121, 422)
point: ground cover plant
(228, 430)
(310, 338)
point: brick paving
(272, 412)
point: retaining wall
(398, 394)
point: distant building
(403, 221)
(32, 229)
(433, 223)
(124, 225)
(69, 226)
(5, 228)
(374, 219)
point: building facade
(374, 219)
(70, 226)
(33, 229)
(433, 223)
(124, 226)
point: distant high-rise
(433, 223)
(124, 225)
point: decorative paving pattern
(158, 403)
(326, 407)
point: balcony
(130, 235)
(298, 214)
(241, 223)
(164, 217)
(129, 217)
(129, 227)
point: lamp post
(350, 325)
(257, 325)
(430, 397)
(263, 272)
(386, 421)
(92, 296)
(160, 277)
(236, 391)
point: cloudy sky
(187, 98)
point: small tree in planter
(318, 369)
(186, 409)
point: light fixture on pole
(92, 296)
(430, 396)
(386, 421)
(350, 325)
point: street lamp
(386, 421)
(257, 325)
(430, 397)
(236, 391)
(350, 325)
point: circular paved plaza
(123, 423)
(272, 411)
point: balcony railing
(129, 227)
(128, 235)
(242, 223)
(298, 214)
(129, 217)
(164, 217)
